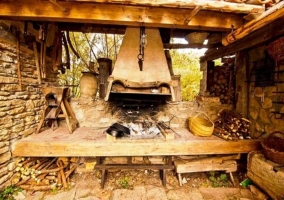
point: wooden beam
(192, 14)
(186, 46)
(20, 25)
(265, 18)
(87, 141)
(221, 6)
(118, 15)
(259, 37)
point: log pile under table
(39, 174)
(232, 126)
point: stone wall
(98, 113)
(260, 100)
(20, 108)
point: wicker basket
(200, 126)
(276, 49)
(273, 147)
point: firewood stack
(231, 126)
(222, 83)
(39, 174)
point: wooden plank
(92, 142)
(192, 14)
(265, 18)
(222, 6)
(186, 46)
(123, 15)
(187, 167)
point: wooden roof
(211, 15)
(180, 17)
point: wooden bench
(216, 163)
(167, 165)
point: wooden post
(105, 68)
(241, 90)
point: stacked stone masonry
(98, 113)
(20, 108)
(262, 101)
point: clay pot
(88, 85)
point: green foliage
(90, 47)
(8, 192)
(187, 65)
(218, 181)
(124, 183)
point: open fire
(140, 122)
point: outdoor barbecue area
(132, 107)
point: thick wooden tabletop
(86, 141)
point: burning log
(43, 173)
(232, 126)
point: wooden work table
(86, 141)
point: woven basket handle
(275, 132)
(205, 116)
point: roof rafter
(215, 5)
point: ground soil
(142, 184)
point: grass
(218, 180)
(8, 192)
(124, 183)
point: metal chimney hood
(129, 81)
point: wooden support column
(241, 90)
(203, 81)
(105, 68)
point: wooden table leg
(179, 179)
(232, 178)
(104, 176)
(163, 176)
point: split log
(60, 164)
(43, 172)
(46, 171)
(39, 163)
(67, 174)
(38, 188)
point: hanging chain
(143, 43)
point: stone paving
(87, 187)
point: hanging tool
(42, 36)
(71, 46)
(19, 60)
(37, 62)
(143, 43)
(165, 126)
